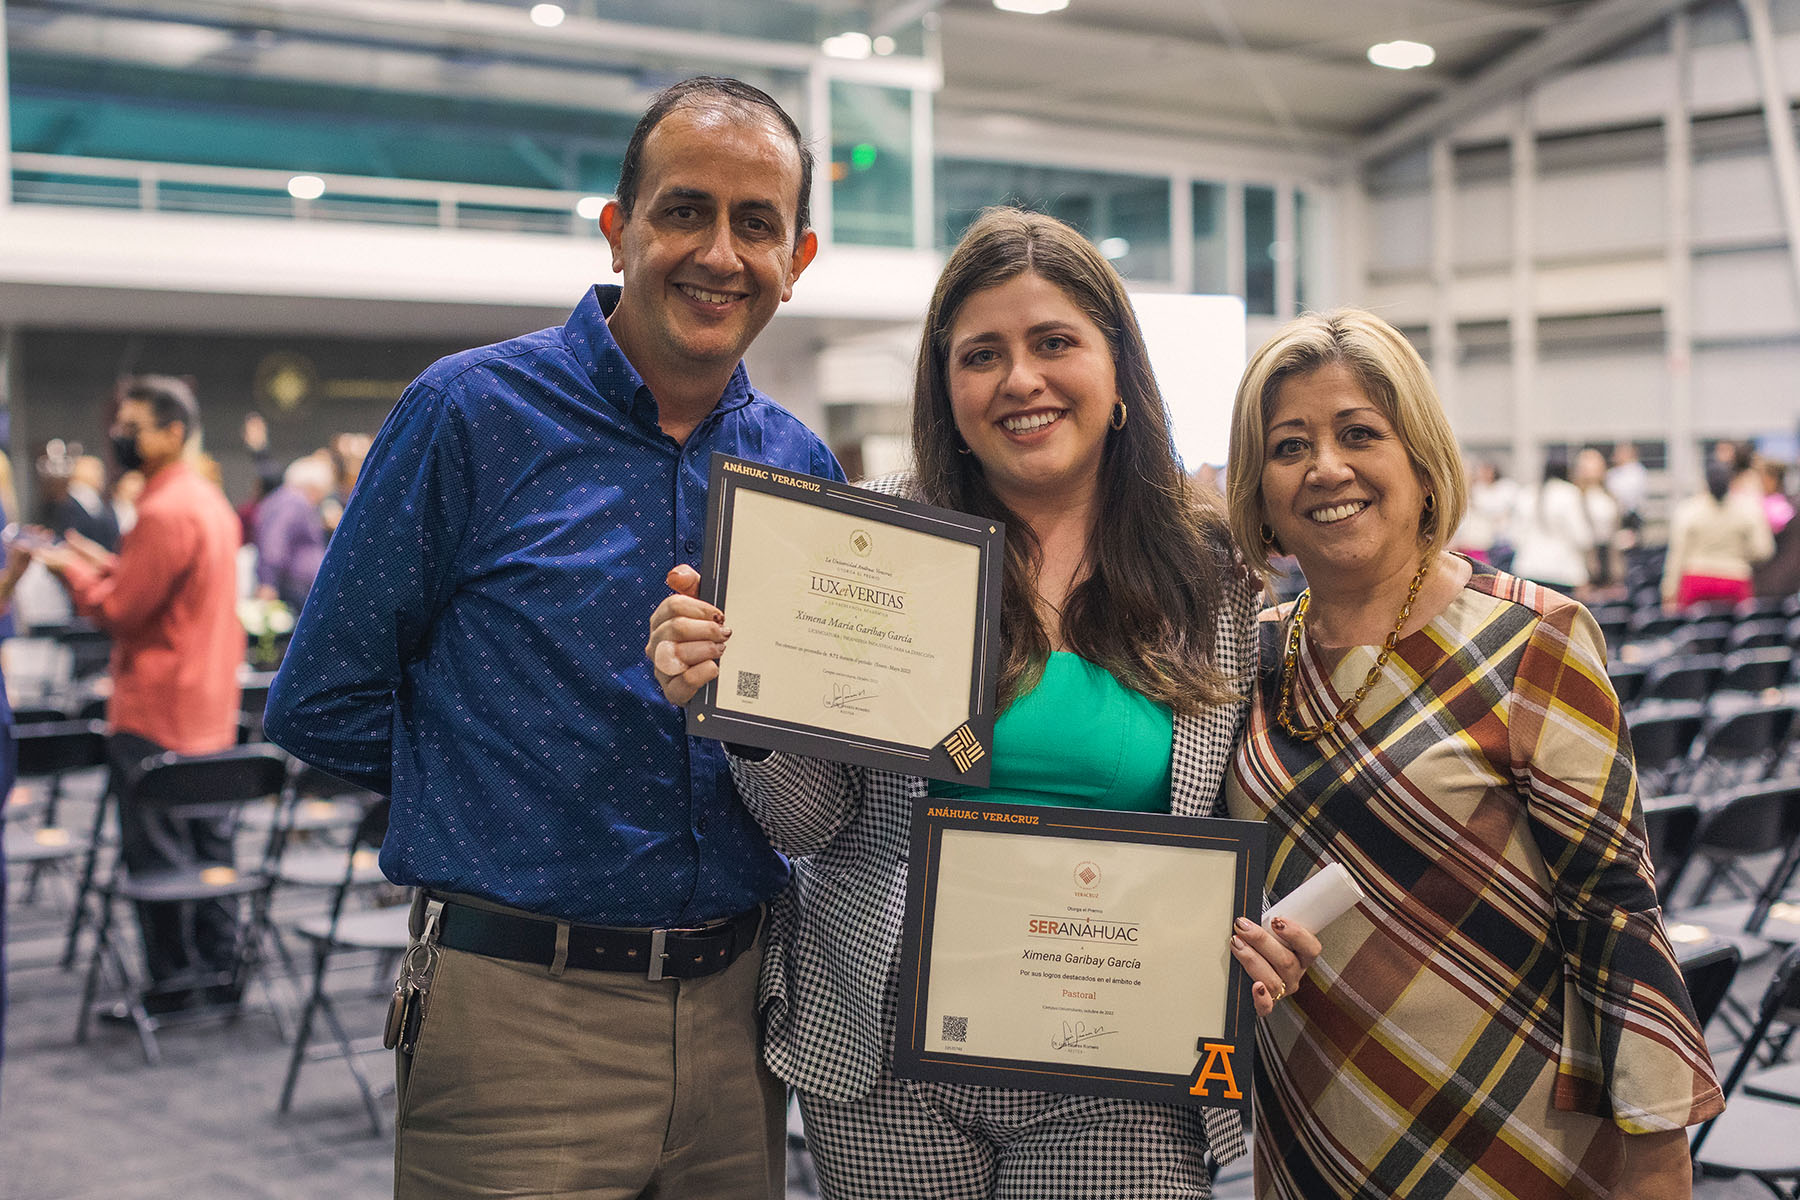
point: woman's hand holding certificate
(687, 636)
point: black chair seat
(375, 929)
(29, 847)
(167, 886)
(1777, 1083)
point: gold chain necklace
(1290, 661)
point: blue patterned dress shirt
(474, 643)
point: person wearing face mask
(168, 598)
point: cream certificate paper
(838, 622)
(1105, 954)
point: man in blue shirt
(473, 646)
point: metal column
(1778, 118)
(1443, 274)
(1527, 454)
(1678, 307)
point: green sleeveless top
(1080, 739)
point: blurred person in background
(1606, 562)
(1553, 536)
(1629, 482)
(290, 532)
(168, 598)
(347, 451)
(1486, 531)
(1716, 539)
(1778, 507)
(125, 492)
(83, 507)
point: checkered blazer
(829, 992)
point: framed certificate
(864, 627)
(1075, 950)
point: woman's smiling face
(1032, 387)
(1339, 489)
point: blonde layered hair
(1390, 372)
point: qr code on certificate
(749, 685)
(956, 1029)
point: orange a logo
(1216, 1066)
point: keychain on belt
(406, 1011)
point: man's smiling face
(709, 250)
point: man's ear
(803, 255)
(612, 224)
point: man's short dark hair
(170, 400)
(713, 91)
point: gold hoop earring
(1120, 415)
(1430, 502)
(1268, 538)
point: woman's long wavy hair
(1159, 556)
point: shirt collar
(618, 382)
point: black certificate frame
(1220, 1074)
(964, 753)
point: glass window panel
(871, 165)
(1259, 251)
(1126, 216)
(1212, 276)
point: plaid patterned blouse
(1505, 1007)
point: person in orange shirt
(169, 600)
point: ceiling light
(547, 15)
(1402, 55)
(588, 207)
(848, 45)
(1115, 248)
(884, 45)
(306, 187)
(1036, 8)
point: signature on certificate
(1078, 1033)
(843, 695)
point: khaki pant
(594, 1085)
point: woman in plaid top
(1125, 629)
(1503, 1016)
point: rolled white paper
(1319, 901)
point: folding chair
(1627, 680)
(1755, 670)
(383, 930)
(1708, 973)
(47, 751)
(1683, 677)
(1755, 1135)
(253, 698)
(316, 815)
(1706, 637)
(1740, 747)
(186, 788)
(1758, 633)
(1758, 608)
(1661, 743)
(1669, 826)
(1752, 822)
(1648, 624)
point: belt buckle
(659, 940)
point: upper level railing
(254, 192)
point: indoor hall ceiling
(1279, 73)
(1275, 71)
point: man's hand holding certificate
(862, 625)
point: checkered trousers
(907, 1139)
(829, 983)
